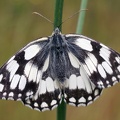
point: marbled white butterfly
(71, 66)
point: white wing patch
(1, 87)
(105, 54)
(22, 83)
(42, 87)
(33, 73)
(27, 69)
(80, 83)
(87, 83)
(46, 64)
(14, 81)
(74, 61)
(1, 77)
(50, 84)
(107, 67)
(90, 65)
(72, 82)
(84, 44)
(12, 68)
(93, 59)
(102, 71)
(31, 51)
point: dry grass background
(18, 26)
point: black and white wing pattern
(25, 78)
(98, 67)
(71, 66)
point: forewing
(101, 64)
(22, 77)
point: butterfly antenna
(43, 17)
(72, 16)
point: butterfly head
(56, 31)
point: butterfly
(73, 67)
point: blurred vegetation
(18, 26)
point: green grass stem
(61, 110)
(81, 16)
